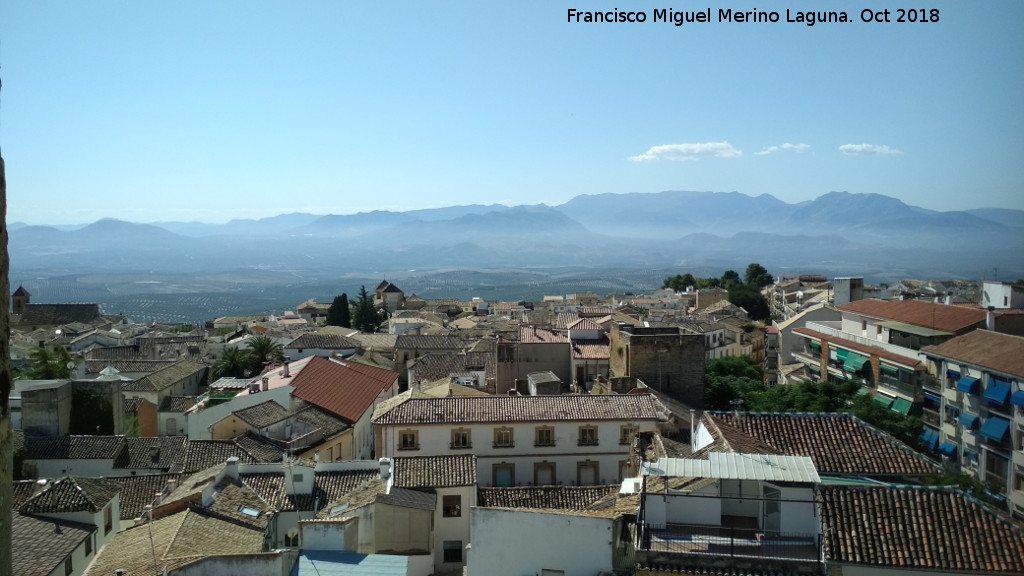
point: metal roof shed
(729, 466)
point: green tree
(730, 278)
(263, 351)
(904, 428)
(757, 276)
(731, 378)
(46, 364)
(340, 314)
(234, 363)
(365, 318)
(679, 282)
(751, 300)
(702, 283)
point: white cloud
(688, 152)
(861, 149)
(786, 146)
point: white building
(522, 440)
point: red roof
(919, 313)
(346, 389)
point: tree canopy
(340, 314)
(46, 364)
(365, 317)
(743, 292)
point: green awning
(882, 400)
(902, 406)
(841, 354)
(814, 344)
(854, 362)
(888, 369)
(864, 391)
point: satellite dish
(70, 365)
(57, 332)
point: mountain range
(838, 232)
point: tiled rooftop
(544, 497)
(72, 494)
(131, 366)
(39, 546)
(837, 443)
(534, 335)
(910, 528)
(165, 377)
(322, 342)
(346, 389)
(263, 414)
(202, 454)
(416, 342)
(138, 491)
(992, 350)
(327, 487)
(919, 313)
(435, 471)
(483, 409)
(591, 349)
(179, 404)
(164, 453)
(441, 365)
(73, 447)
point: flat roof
(730, 466)
(912, 329)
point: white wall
(798, 512)
(451, 528)
(199, 422)
(687, 509)
(328, 535)
(57, 468)
(516, 543)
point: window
(291, 538)
(408, 440)
(249, 511)
(586, 473)
(588, 435)
(108, 520)
(503, 438)
(504, 475)
(952, 414)
(623, 470)
(626, 434)
(970, 458)
(460, 438)
(878, 329)
(453, 550)
(452, 506)
(544, 474)
(545, 436)
(863, 324)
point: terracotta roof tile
(917, 528)
(417, 342)
(919, 313)
(327, 487)
(73, 447)
(165, 377)
(164, 453)
(435, 471)
(40, 545)
(72, 494)
(992, 350)
(178, 404)
(138, 491)
(263, 414)
(322, 342)
(482, 409)
(591, 349)
(534, 335)
(837, 443)
(347, 389)
(544, 497)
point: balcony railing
(930, 417)
(730, 542)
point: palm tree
(263, 351)
(233, 364)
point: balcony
(930, 417)
(905, 352)
(729, 542)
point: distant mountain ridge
(670, 228)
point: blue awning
(930, 437)
(933, 396)
(953, 374)
(997, 391)
(995, 428)
(948, 449)
(968, 420)
(966, 384)
(1018, 398)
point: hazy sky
(212, 110)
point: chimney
(232, 467)
(990, 319)
(949, 298)
(385, 468)
(284, 371)
(265, 384)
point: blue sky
(151, 111)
